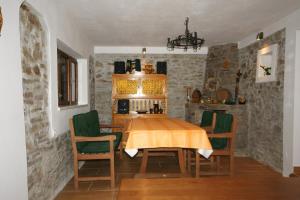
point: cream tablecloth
(165, 132)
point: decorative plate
(223, 94)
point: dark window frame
(67, 100)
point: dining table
(165, 134)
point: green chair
(222, 139)
(90, 143)
(223, 125)
(208, 120)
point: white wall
(13, 167)
(296, 158)
(63, 27)
(291, 126)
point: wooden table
(165, 134)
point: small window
(67, 79)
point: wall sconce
(260, 36)
(144, 51)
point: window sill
(71, 107)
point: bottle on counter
(156, 108)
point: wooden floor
(251, 181)
(297, 171)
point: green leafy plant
(267, 70)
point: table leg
(181, 161)
(189, 160)
(144, 161)
(121, 150)
(184, 157)
(197, 160)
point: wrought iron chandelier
(186, 41)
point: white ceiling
(151, 22)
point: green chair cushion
(103, 146)
(223, 125)
(207, 118)
(87, 125)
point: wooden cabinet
(142, 91)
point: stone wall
(221, 68)
(264, 103)
(49, 160)
(261, 119)
(183, 70)
(91, 83)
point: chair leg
(218, 163)
(181, 161)
(76, 185)
(112, 170)
(122, 143)
(231, 167)
(197, 163)
(184, 157)
(212, 162)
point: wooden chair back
(208, 121)
(77, 156)
(227, 151)
(73, 142)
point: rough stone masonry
(182, 70)
(49, 160)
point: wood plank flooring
(297, 171)
(261, 187)
(252, 180)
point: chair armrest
(220, 135)
(208, 129)
(111, 126)
(95, 139)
